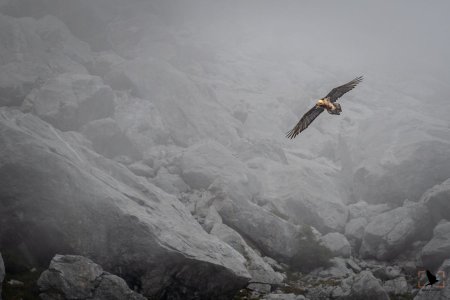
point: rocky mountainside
(133, 138)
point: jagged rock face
(77, 277)
(366, 286)
(337, 243)
(58, 196)
(389, 233)
(436, 200)
(260, 271)
(33, 51)
(69, 101)
(2, 274)
(438, 248)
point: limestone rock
(354, 231)
(438, 248)
(34, 51)
(366, 286)
(69, 198)
(388, 234)
(69, 101)
(397, 286)
(77, 277)
(337, 243)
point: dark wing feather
(305, 121)
(431, 277)
(337, 92)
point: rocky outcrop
(337, 243)
(436, 200)
(438, 248)
(57, 195)
(77, 277)
(389, 233)
(69, 101)
(109, 140)
(354, 231)
(2, 274)
(260, 271)
(365, 286)
(34, 51)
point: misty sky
(386, 37)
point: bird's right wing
(305, 121)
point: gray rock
(397, 286)
(77, 277)
(390, 233)
(2, 274)
(338, 269)
(256, 266)
(386, 272)
(141, 169)
(365, 210)
(109, 140)
(69, 101)
(353, 265)
(36, 51)
(436, 200)
(366, 286)
(438, 248)
(337, 243)
(354, 231)
(78, 201)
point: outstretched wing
(337, 92)
(305, 121)
(431, 277)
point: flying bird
(431, 278)
(328, 102)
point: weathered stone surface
(338, 269)
(397, 286)
(69, 101)
(77, 277)
(388, 234)
(366, 286)
(337, 243)
(33, 51)
(72, 199)
(365, 210)
(436, 200)
(141, 169)
(438, 248)
(259, 270)
(109, 140)
(354, 231)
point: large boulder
(77, 277)
(354, 231)
(69, 101)
(388, 234)
(109, 140)
(260, 271)
(436, 200)
(438, 248)
(337, 243)
(33, 51)
(58, 196)
(365, 286)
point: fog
(149, 137)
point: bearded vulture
(328, 102)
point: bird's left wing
(305, 121)
(337, 92)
